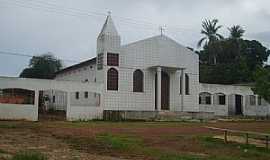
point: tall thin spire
(109, 27)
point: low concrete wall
(18, 112)
(258, 111)
(111, 115)
(154, 115)
(218, 110)
(84, 113)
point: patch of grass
(2, 151)
(135, 146)
(8, 126)
(180, 157)
(18, 125)
(124, 146)
(119, 142)
(241, 151)
(29, 155)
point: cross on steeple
(162, 30)
(109, 13)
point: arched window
(112, 79)
(138, 81)
(205, 98)
(187, 84)
(220, 99)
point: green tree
(262, 82)
(236, 59)
(254, 53)
(42, 67)
(211, 36)
(236, 32)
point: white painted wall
(30, 112)
(84, 113)
(18, 112)
(81, 74)
(230, 91)
(143, 55)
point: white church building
(155, 74)
(149, 78)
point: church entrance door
(165, 91)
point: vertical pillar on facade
(256, 100)
(159, 88)
(227, 103)
(68, 106)
(36, 102)
(213, 99)
(244, 103)
(182, 89)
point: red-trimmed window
(112, 59)
(112, 79)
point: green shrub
(29, 155)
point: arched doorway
(165, 91)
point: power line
(30, 56)
(42, 8)
(49, 7)
(72, 13)
(142, 22)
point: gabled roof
(109, 27)
(76, 66)
(160, 39)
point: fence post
(267, 141)
(225, 136)
(246, 138)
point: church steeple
(108, 39)
(108, 42)
(109, 27)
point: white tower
(108, 42)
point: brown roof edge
(76, 66)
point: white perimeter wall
(30, 112)
(18, 112)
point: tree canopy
(42, 67)
(262, 82)
(230, 60)
(236, 32)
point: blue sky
(37, 26)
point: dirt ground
(61, 140)
(15, 140)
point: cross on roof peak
(162, 30)
(109, 13)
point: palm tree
(236, 32)
(210, 29)
(211, 36)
